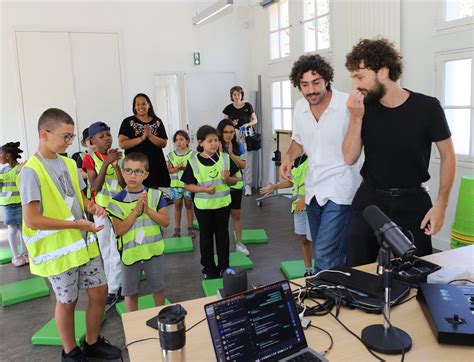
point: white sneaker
(242, 248)
(248, 190)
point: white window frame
(442, 24)
(281, 107)
(441, 59)
(278, 30)
(316, 17)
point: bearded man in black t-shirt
(396, 128)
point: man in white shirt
(320, 123)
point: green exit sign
(197, 58)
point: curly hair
(376, 54)
(13, 149)
(314, 63)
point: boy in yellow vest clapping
(105, 180)
(137, 213)
(57, 237)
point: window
(456, 94)
(279, 30)
(457, 9)
(281, 105)
(316, 25)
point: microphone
(390, 232)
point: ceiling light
(211, 11)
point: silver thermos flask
(172, 331)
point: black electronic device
(357, 289)
(449, 310)
(260, 324)
(412, 271)
(234, 281)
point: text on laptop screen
(256, 325)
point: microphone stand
(384, 338)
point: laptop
(259, 325)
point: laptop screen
(260, 324)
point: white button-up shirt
(328, 176)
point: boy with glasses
(137, 214)
(105, 180)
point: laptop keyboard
(306, 356)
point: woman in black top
(144, 132)
(242, 115)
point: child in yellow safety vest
(137, 214)
(208, 175)
(105, 180)
(11, 202)
(177, 160)
(298, 207)
(60, 240)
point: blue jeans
(329, 225)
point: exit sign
(197, 58)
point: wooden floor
(183, 281)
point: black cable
(407, 300)
(330, 338)
(461, 280)
(138, 340)
(396, 334)
(195, 324)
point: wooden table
(409, 317)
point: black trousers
(213, 224)
(407, 211)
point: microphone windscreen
(375, 217)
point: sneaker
(101, 349)
(18, 260)
(248, 190)
(242, 248)
(75, 355)
(309, 273)
(26, 258)
(111, 300)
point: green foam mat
(237, 258)
(254, 236)
(195, 225)
(210, 286)
(48, 334)
(5, 255)
(182, 244)
(23, 291)
(293, 269)
(144, 302)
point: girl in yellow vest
(236, 152)
(105, 180)
(208, 175)
(298, 207)
(177, 160)
(10, 200)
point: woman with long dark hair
(144, 132)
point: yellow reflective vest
(53, 252)
(110, 187)
(175, 160)
(298, 174)
(143, 240)
(9, 193)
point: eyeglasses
(130, 171)
(68, 138)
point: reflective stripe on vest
(298, 190)
(175, 160)
(152, 243)
(110, 187)
(9, 193)
(211, 176)
(53, 252)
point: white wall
(154, 38)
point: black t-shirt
(188, 175)
(132, 127)
(244, 114)
(397, 141)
